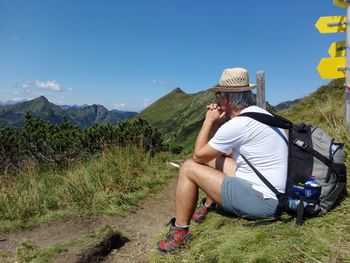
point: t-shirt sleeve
(229, 136)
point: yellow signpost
(340, 3)
(331, 24)
(338, 65)
(332, 68)
(337, 49)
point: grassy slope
(109, 185)
(179, 115)
(326, 103)
(90, 187)
(322, 239)
(324, 108)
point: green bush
(11, 149)
(174, 148)
(46, 144)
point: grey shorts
(238, 197)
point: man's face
(222, 100)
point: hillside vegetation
(106, 185)
(123, 170)
(52, 171)
(324, 105)
(324, 108)
(224, 238)
(47, 145)
(178, 115)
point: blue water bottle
(293, 203)
(312, 189)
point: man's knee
(187, 167)
(190, 169)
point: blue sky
(127, 54)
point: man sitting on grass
(227, 179)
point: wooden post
(260, 93)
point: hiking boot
(199, 216)
(176, 239)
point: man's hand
(203, 152)
(214, 113)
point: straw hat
(233, 80)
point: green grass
(116, 181)
(111, 184)
(29, 252)
(324, 108)
(107, 185)
(221, 238)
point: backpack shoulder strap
(308, 148)
(262, 178)
(281, 197)
(270, 120)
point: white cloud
(133, 106)
(30, 89)
(15, 92)
(26, 86)
(70, 89)
(17, 99)
(119, 106)
(146, 102)
(161, 83)
(51, 85)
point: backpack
(314, 158)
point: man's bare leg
(192, 176)
(224, 164)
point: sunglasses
(219, 95)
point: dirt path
(142, 226)
(139, 227)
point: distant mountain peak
(40, 107)
(41, 99)
(177, 90)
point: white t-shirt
(264, 146)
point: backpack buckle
(300, 143)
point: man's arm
(203, 152)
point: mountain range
(84, 116)
(177, 115)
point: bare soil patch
(138, 227)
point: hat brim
(218, 88)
